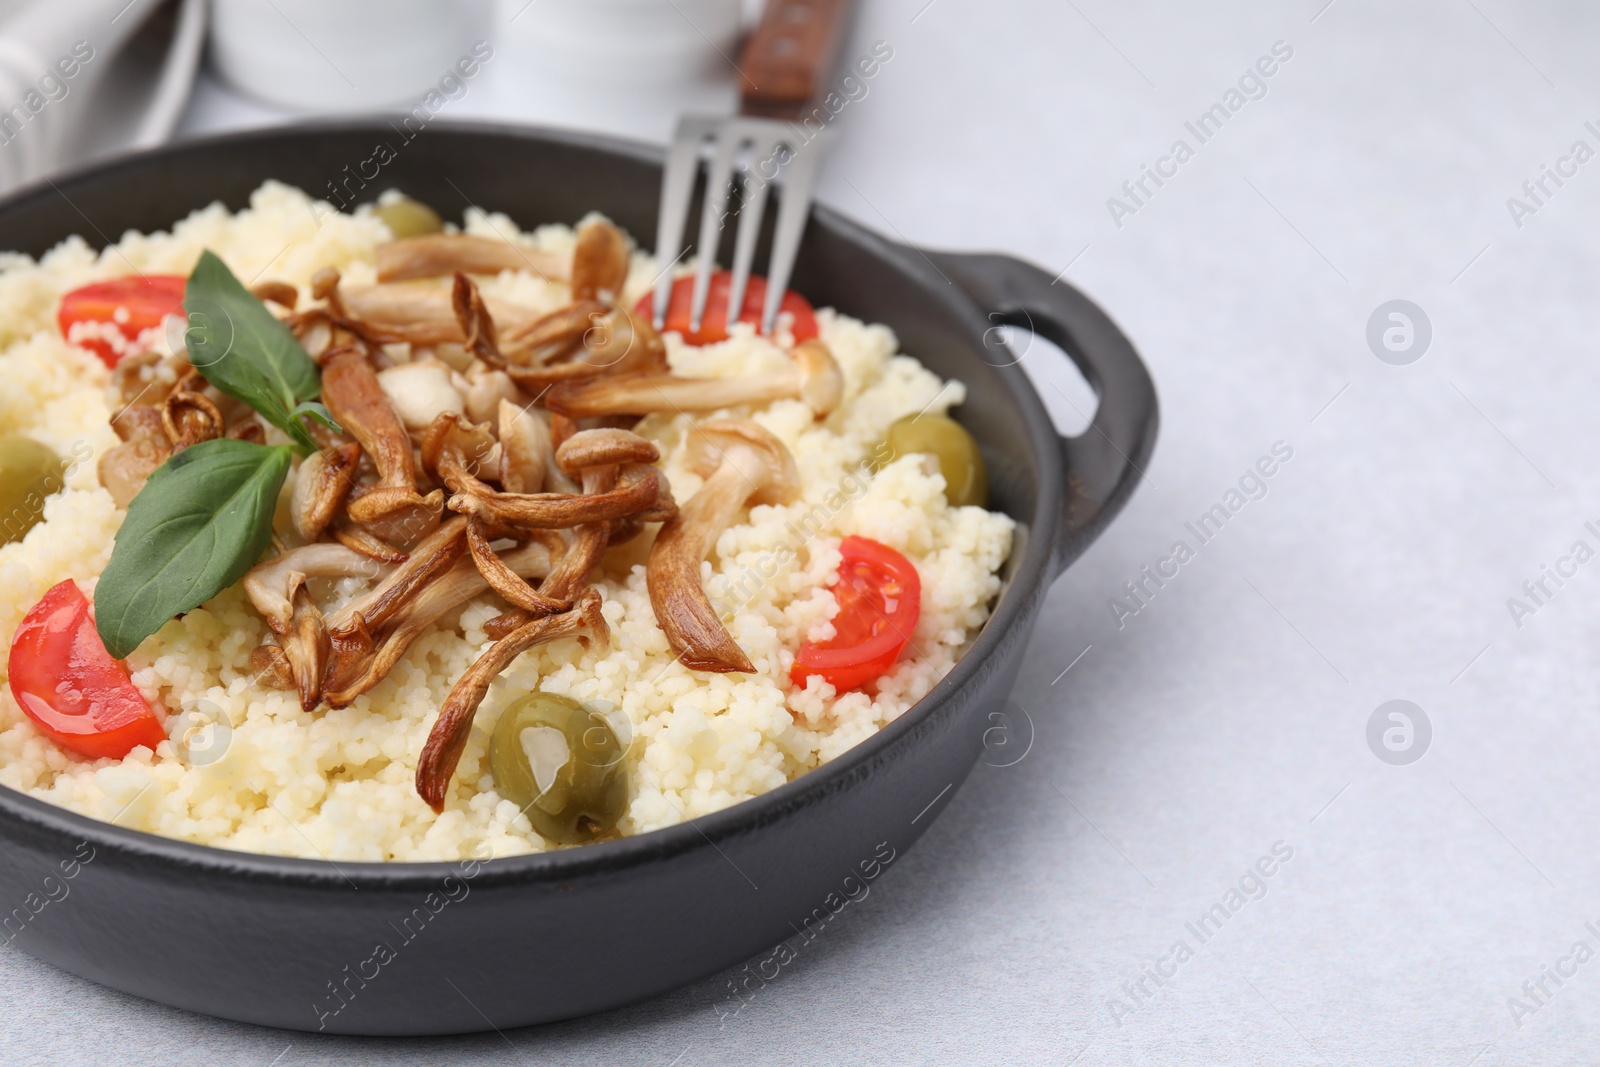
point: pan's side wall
(383, 960)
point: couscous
(480, 426)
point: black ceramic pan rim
(1033, 572)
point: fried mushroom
(272, 584)
(638, 490)
(599, 262)
(421, 313)
(609, 343)
(124, 469)
(450, 731)
(361, 660)
(283, 294)
(394, 510)
(305, 647)
(477, 325)
(742, 464)
(320, 488)
(457, 452)
(190, 418)
(444, 254)
(526, 451)
(427, 561)
(812, 376)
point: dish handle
(1105, 462)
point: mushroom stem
(549, 337)
(565, 579)
(571, 571)
(272, 584)
(419, 312)
(320, 488)
(750, 465)
(365, 542)
(571, 348)
(360, 661)
(457, 451)
(503, 580)
(448, 737)
(475, 321)
(813, 376)
(525, 449)
(599, 262)
(584, 455)
(436, 554)
(680, 603)
(432, 255)
(306, 647)
(351, 390)
(639, 491)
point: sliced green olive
(409, 218)
(29, 473)
(966, 480)
(561, 763)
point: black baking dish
(527, 939)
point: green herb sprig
(240, 348)
(205, 516)
(200, 522)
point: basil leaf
(200, 522)
(240, 348)
(311, 409)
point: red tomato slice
(880, 600)
(130, 305)
(714, 323)
(68, 684)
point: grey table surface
(1229, 716)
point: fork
(783, 66)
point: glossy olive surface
(561, 763)
(409, 218)
(966, 480)
(29, 473)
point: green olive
(966, 480)
(409, 218)
(29, 473)
(561, 763)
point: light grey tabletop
(1228, 718)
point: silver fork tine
(677, 186)
(730, 137)
(716, 203)
(750, 213)
(801, 176)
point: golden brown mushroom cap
(720, 441)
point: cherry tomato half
(714, 323)
(880, 599)
(132, 305)
(68, 684)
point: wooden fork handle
(788, 59)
